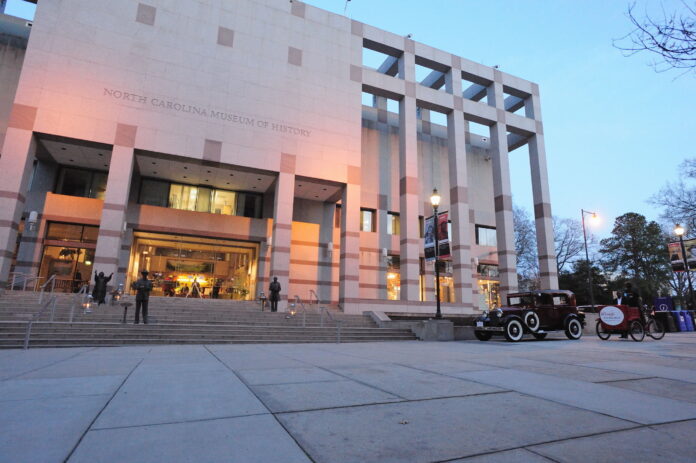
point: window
(224, 202)
(393, 278)
(488, 270)
(81, 182)
(486, 236)
(367, 220)
(337, 216)
(393, 223)
(154, 193)
(72, 232)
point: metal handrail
(52, 282)
(24, 278)
(49, 303)
(81, 295)
(304, 310)
(312, 292)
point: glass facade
(199, 198)
(81, 182)
(191, 266)
(486, 236)
(71, 262)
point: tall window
(367, 220)
(485, 236)
(393, 223)
(81, 182)
(393, 278)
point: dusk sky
(616, 131)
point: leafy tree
(576, 280)
(637, 251)
(671, 36)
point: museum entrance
(68, 254)
(195, 267)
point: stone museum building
(224, 143)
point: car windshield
(521, 301)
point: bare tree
(526, 248)
(568, 241)
(679, 199)
(671, 36)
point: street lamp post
(587, 256)
(679, 231)
(435, 201)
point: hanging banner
(676, 257)
(442, 237)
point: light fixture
(679, 230)
(435, 198)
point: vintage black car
(534, 312)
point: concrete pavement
(554, 400)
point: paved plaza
(555, 400)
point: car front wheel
(514, 330)
(483, 335)
(574, 329)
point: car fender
(507, 318)
(569, 317)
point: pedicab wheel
(483, 335)
(514, 330)
(601, 334)
(540, 336)
(573, 329)
(655, 329)
(635, 329)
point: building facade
(221, 144)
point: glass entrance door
(71, 265)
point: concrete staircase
(177, 321)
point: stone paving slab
(85, 365)
(287, 375)
(673, 443)
(45, 430)
(511, 456)
(323, 394)
(152, 397)
(16, 362)
(647, 369)
(440, 429)
(50, 388)
(660, 387)
(624, 404)
(410, 383)
(250, 439)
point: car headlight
(485, 313)
(499, 312)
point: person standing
(99, 291)
(274, 294)
(142, 288)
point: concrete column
(282, 228)
(325, 258)
(548, 270)
(507, 258)
(16, 163)
(408, 178)
(112, 227)
(349, 267)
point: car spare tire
(514, 330)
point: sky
(615, 130)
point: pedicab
(627, 321)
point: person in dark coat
(274, 294)
(77, 282)
(142, 288)
(99, 291)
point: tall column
(349, 266)
(282, 227)
(15, 169)
(112, 227)
(408, 177)
(502, 192)
(548, 270)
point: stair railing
(337, 322)
(316, 297)
(51, 282)
(19, 278)
(80, 297)
(51, 302)
(293, 308)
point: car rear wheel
(603, 335)
(574, 329)
(483, 335)
(635, 329)
(531, 319)
(514, 330)
(540, 336)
